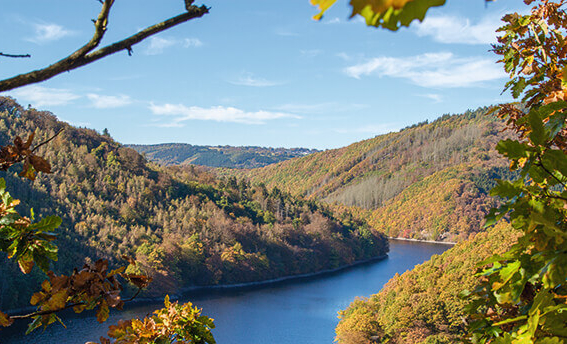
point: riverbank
(424, 241)
(282, 279)
(248, 285)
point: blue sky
(256, 72)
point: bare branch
(15, 56)
(67, 306)
(86, 55)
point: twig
(45, 312)
(15, 56)
(87, 54)
(48, 140)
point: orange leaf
(140, 281)
(40, 164)
(25, 265)
(29, 141)
(129, 259)
(5, 320)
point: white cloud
(48, 32)
(39, 96)
(105, 102)
(248, 79)
(431, 69)
(448, 29)
(158, 45)
(181, 113)
(319, 108)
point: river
(297, 311)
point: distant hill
(428, 181)
(218, 156)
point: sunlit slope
(429, 181)
(423, 305)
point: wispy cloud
(180, 113)
(437, 98)
(319, 108)
(248, 79)
(332, 21)
(158, 45)
(40, 96)
(286, 33)
(106, 102)
(450, 29)
(431, 69)
(311, 52)
(192, 42)
(344, 56)
(48, 32)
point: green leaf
(392, 19)
(34, 324)
(518, 87)
(512, 149)
(9, 219)
(537, 136)
(48, 223)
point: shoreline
(424, 241)
(280, 279)
(245, 285)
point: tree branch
(86, 55)
(15, 56)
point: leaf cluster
(174, 323)
(388, 14)
(523, 294)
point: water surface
(301, 311)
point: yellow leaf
(323, 5)
(58, 300)
(36, 297)
(102, 312)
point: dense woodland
(428, 181)
(182, 225)
(217, 156)
(423, 305)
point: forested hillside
(184, 226)
(423, 305)
(217, 156)
(429, 181)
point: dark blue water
(303, 311)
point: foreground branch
(86, 55)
